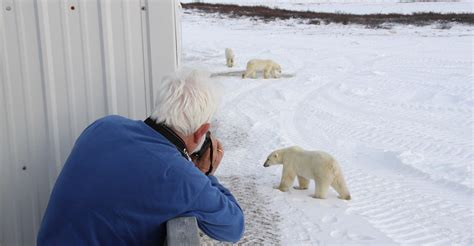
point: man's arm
(218, 213)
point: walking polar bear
(229, 57)
(268, 67)
(306, 165)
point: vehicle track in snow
(261, 222)
(399, 199)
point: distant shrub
(368, 20)
(444, 25)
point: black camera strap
(212, 158)
(169, 134)
(206, 145)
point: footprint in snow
(330, 219)
(350, 236)
(358, 237)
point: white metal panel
(159, 12)
(63, 64)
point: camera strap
(198, 155)
(211, 158)
(169, 134)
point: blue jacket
(123, 181)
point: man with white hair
(124, 179)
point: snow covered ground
(358, 6)
(395, 107)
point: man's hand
(204, 163)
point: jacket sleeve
(217, 212)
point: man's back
(123, 181)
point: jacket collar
(169, 134)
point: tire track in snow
(406, 208)
(261, 222)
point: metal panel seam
(109, 58)
(68, 69)
(102, 50)
(147, 58)
(127, 48)
(86, 57)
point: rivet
(8, 8)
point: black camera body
(206, 145)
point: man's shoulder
(110, 122)
(112, 119)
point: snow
(394, 106)
(359, 7)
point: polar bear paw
(300, 188)
(346, 197)
(319, 197)
(282, 189)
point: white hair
(185, 101)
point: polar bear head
(273, 159)
(277, 70)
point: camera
(199, 154)
(206, 145)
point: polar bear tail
(339, 184)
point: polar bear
(268, 67)
(229, 57)
(317, 165)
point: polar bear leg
(322, 187)
(304, 182)
(287, 178)
(266, 73)
(247, 73)
(339, 184)
(273, 73)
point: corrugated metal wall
(63, 64)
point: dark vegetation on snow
(444, 21)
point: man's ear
(200, 132)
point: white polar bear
(229, 57)
(268, 67)
(317, 165)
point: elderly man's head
(186, 102)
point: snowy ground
(358, 6)
(395, 107)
